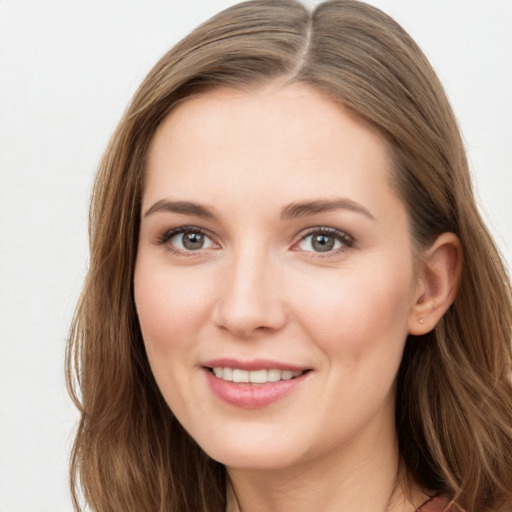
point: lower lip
(252, 396)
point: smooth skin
(270, 230)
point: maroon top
(436, 504)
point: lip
(252, 396)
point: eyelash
(346, 240)
(169, 235)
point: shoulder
(443, 504)
(437, 504)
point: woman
(292, 301)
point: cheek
(358, 320)
(171, 308)
(355, 314)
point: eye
(187, 239)
(191, 241)
(325, 240)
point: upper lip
(252, 364)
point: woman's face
(274, 250)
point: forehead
(287, 136)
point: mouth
(258, 376)
(255, 383)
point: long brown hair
(454, 406)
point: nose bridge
(249, 296)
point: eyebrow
(306, 208)
(292, 211)
(183, 207)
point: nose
(250, 300)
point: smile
(253, 384)
(262, 376)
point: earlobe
(438, 280)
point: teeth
(254, 376)
(273, 375)
(258, 376)
(240, 375)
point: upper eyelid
(331, 231)
(325, 230)
(347, 240)
(170, 233)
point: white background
(67, 70)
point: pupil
(193, 240)
(323, 243)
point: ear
(438, 280)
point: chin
(253, 450)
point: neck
(368, 477)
